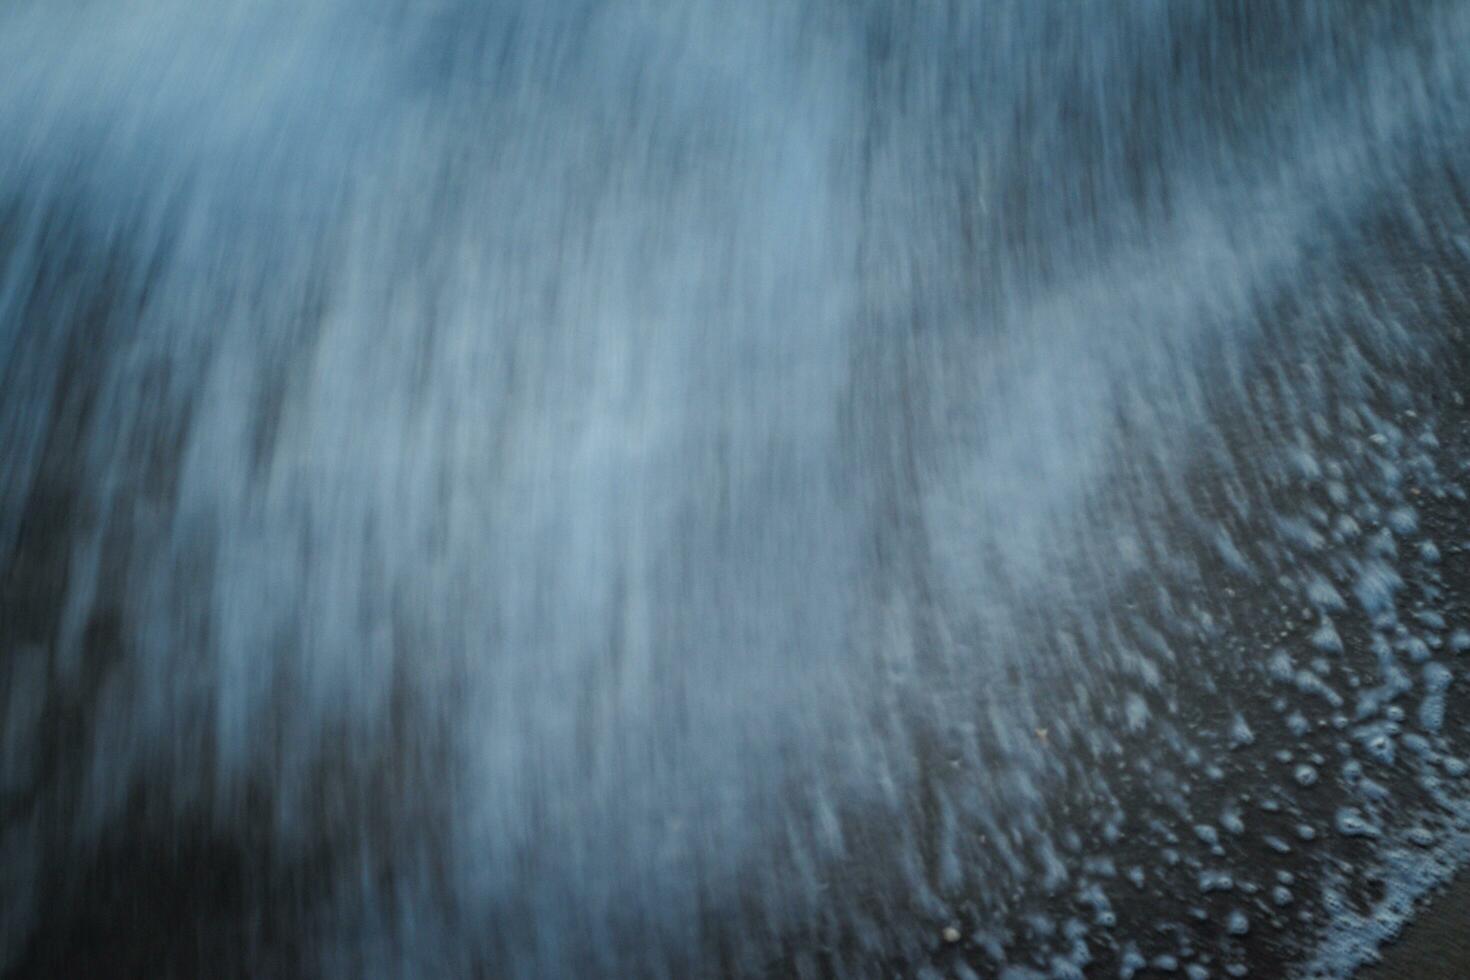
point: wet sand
(1435, 944)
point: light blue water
(591, 488)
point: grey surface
(544, 488)
(1435, 944)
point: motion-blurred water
(678, 487)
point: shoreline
(1434, 943)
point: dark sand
(1435, 945)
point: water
(650, 488)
